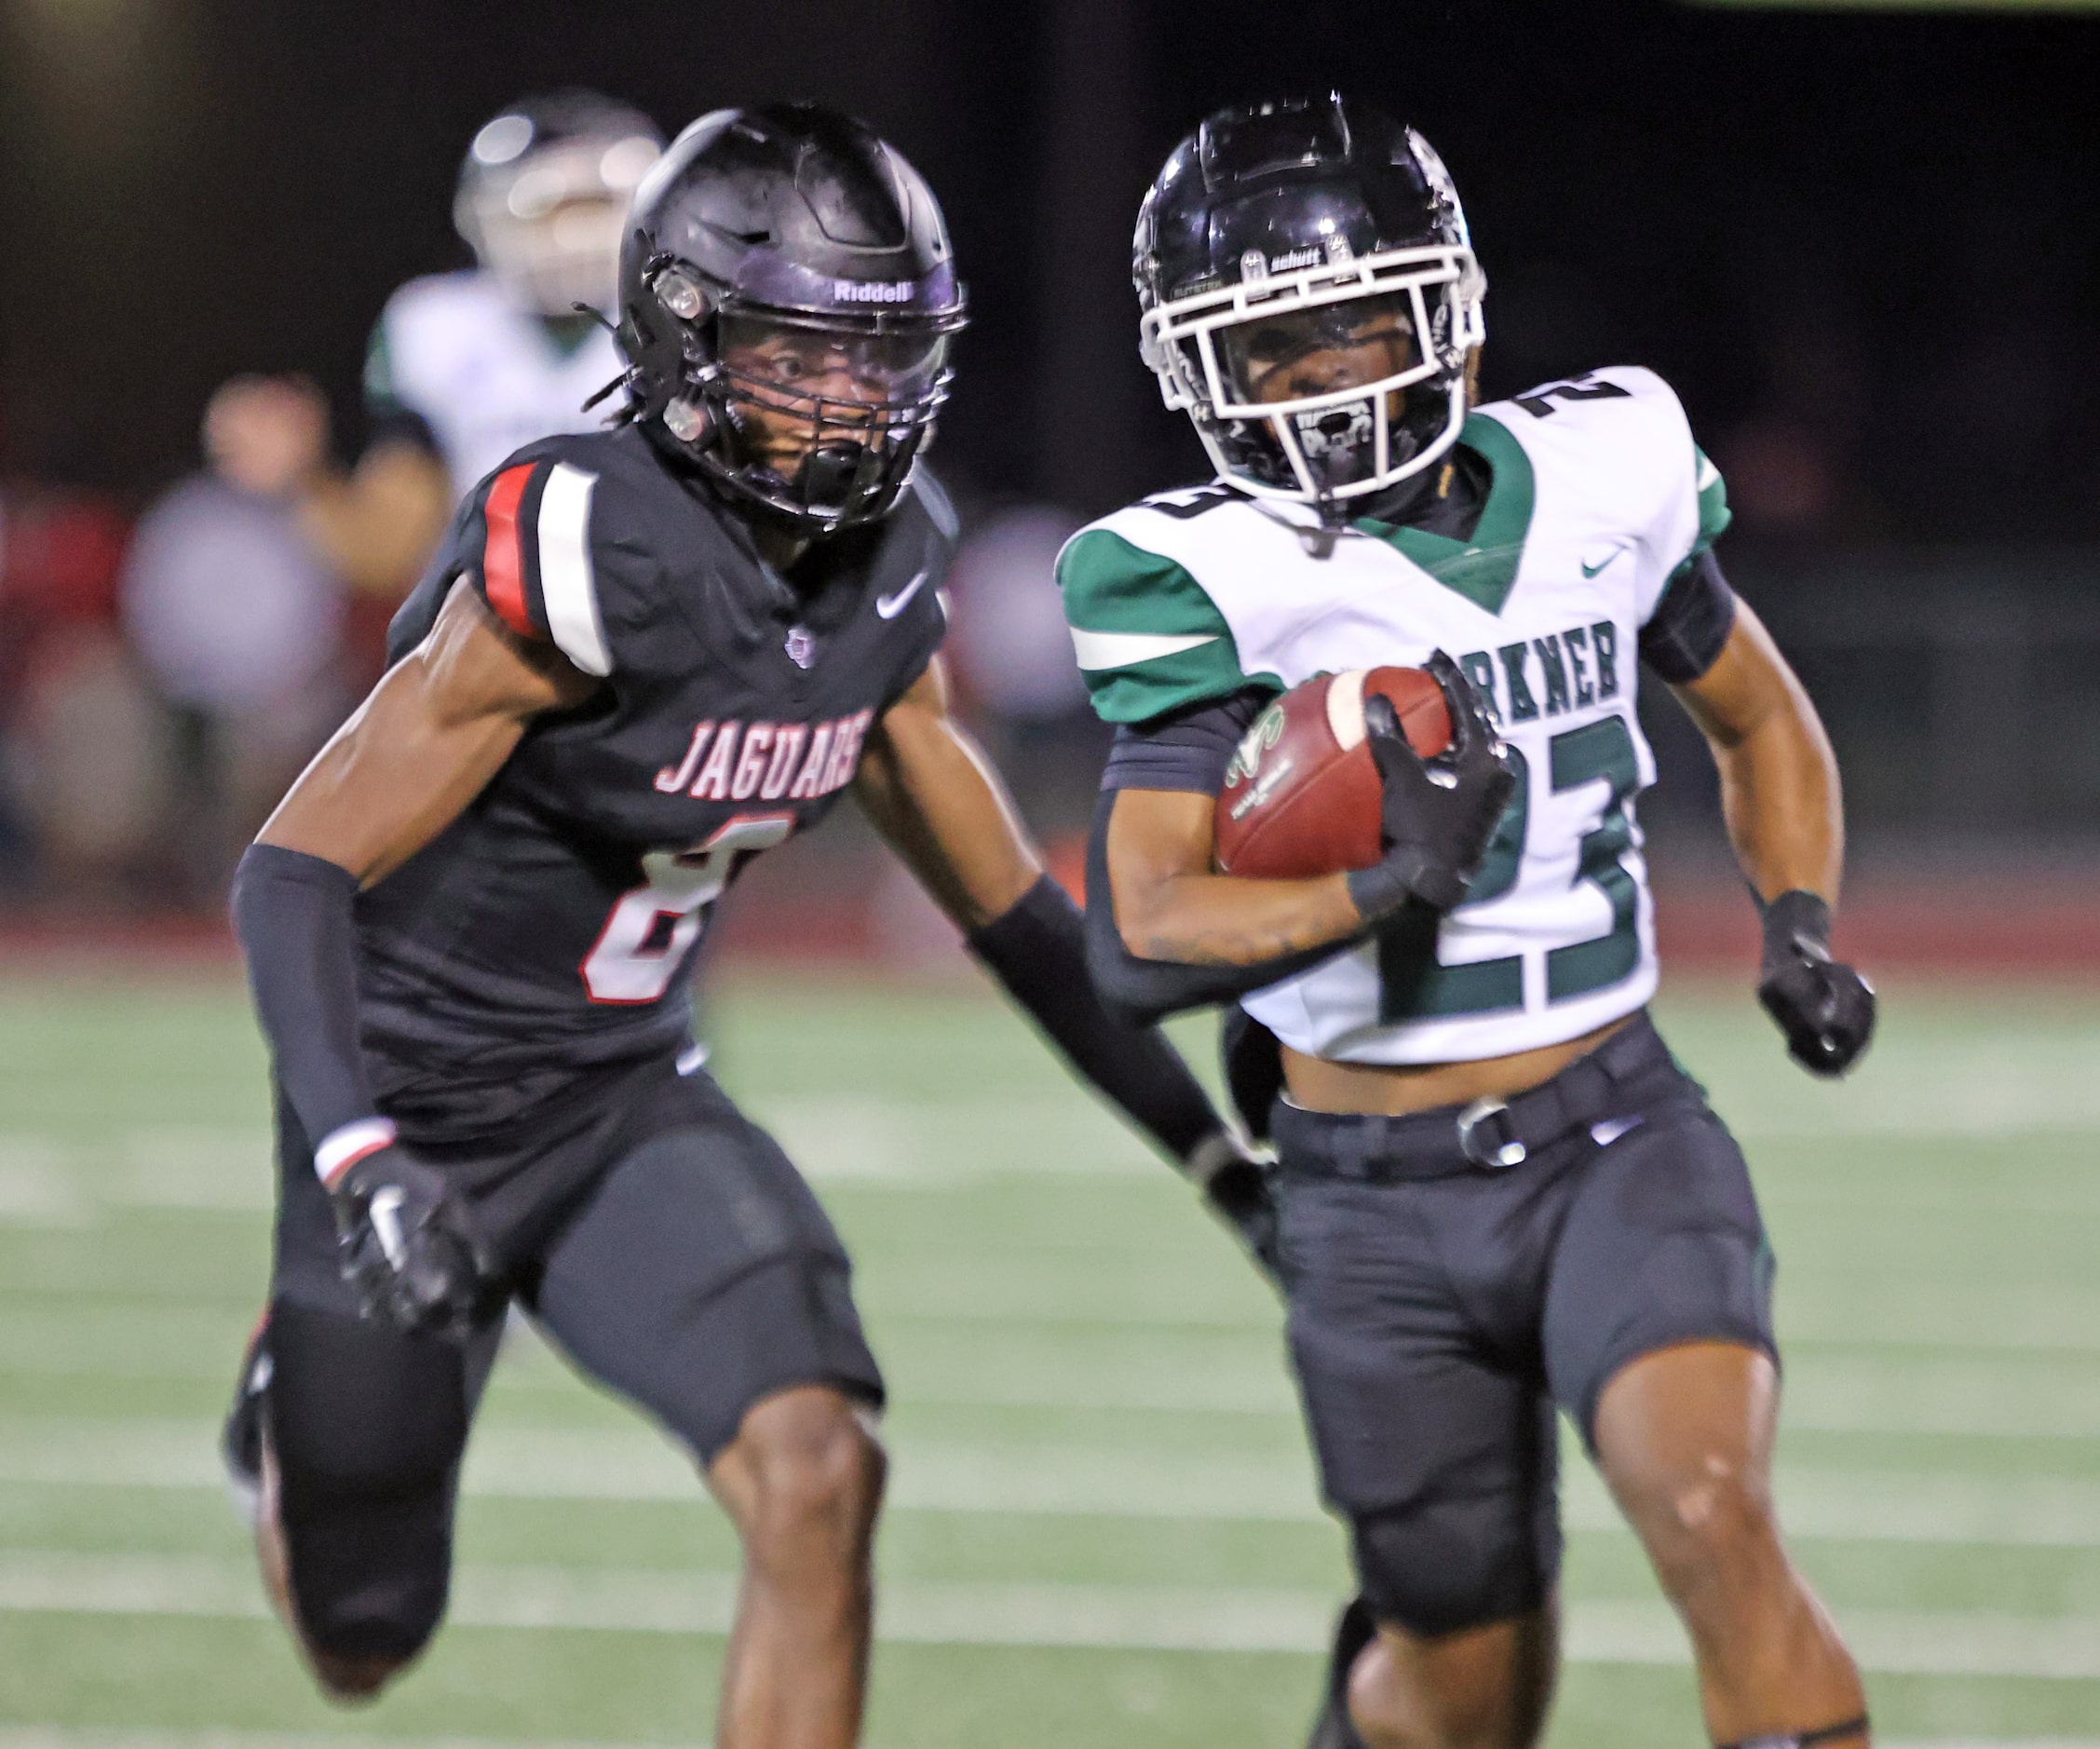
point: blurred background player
(1498, 1193)
(466, 367)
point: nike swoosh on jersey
(1591, 570)
(890, 606)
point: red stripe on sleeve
(503, 561)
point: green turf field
(1103, 1530)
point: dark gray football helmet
(788, 297)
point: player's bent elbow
(1128, 985)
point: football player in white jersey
(1497, 1193)
(464, 368)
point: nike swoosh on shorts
(890, 606)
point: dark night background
(1876, 236)
(1864, 246)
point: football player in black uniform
(644, 656)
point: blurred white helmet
(543, 191)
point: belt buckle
(1476, 1148)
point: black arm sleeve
(1037, 951)
(1185, 750)
(1686, 634)
(1142, 991)
(292, 913)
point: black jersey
(554, 925)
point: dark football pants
(1437, 1321)
(698, 1276)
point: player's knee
(367, 1588)
(816, 1472)
(1710, 1523)
(1460, 1564)
(353, 1681)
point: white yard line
(1022, 1363)
(118, 1335)
(1056, 1480)
(1924, 1093)
(1099, 1617)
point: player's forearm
(1036, 950)
(1779, 791)
(928, 788)
(1781, 798)
(293, 914)
(1221, 920)
(1155, 852)
(1143, 988)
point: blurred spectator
(237, 616)
(77, 782)
(1010, 640)
(1012, 655)
(464, 368)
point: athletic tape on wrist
(1212, 1155)
(342, 1149)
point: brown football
(1301, 796)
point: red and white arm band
(340, 1149)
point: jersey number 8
(651, 928)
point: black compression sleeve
(1189, 750)
(1685, 636)
(292, 913)
(1142, 991)
(1037, 951)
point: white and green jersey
(486, 377)
(1599, 496)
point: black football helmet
(1281, 233)
(788, 297)
(542, 193)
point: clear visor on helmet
(823, 420)
(796, 368)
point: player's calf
(1482, 1688)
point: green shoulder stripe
(1714, 512)
(1147, 637)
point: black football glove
(1438, 816)
(408, 1246)
(1239, 1188)
(1825, 1007)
